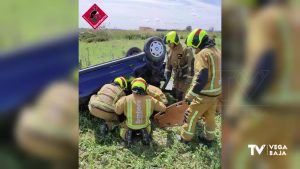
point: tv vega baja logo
(271, 150)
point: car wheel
(133, 51)
(155, 49)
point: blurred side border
(25, 72)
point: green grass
(164, 152)
(98, 46)
(99, 52)
(26, 23)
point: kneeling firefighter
(102, 104)
(202, 96)
(157, 94)
(137, 108)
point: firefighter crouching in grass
(102, 104)
(205, 88)
(157, 94)
(180, 61)
(137, 108)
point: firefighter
(180, 62)
(203, 93)
(157, 94)
(137, 108)
(102, 104)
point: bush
(87, 35)
(94, 36)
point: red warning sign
(95, 16)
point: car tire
(155, 49)
(133, 51)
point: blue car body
(92, 78)
(24, 73)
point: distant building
(165, 30)
(146, 29)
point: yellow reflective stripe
(119, 80)
(148, 105)
(117, 96)
(187, 132)
(129, 116)
(129, 113)
(193, 94)
(211, 90)
(212, 83)
(191, 121)
(184, 67)
(122, 132)
(209, 132)
(289, 53)
(137, 127)
(106, 105)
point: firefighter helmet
(121, 81)
(195, 38)
(171, 37)
(139, 84)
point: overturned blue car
(148, 64)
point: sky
(164, 14)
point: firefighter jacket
(208, 59)
(138, 109)
(180, 60)
(157, 94)
(273, 50)
(107, 97)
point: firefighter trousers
(124, 128)
(180, 88)
(109, 118)
(202, 106)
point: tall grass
(87, 35)
(98, 46)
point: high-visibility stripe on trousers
(200, 107)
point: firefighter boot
(179, 95)
(206, 142)
(103, 129)
(180, 139)
(173, 93)
(128, 138)
(145, 136)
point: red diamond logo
(95, 16)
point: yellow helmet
(195, 38)
(171, 37)
(139, 83)
(121, 81)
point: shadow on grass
(149, 152)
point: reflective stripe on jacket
(209, 58)
(106, 97)
(138, 109)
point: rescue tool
(173, 116)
